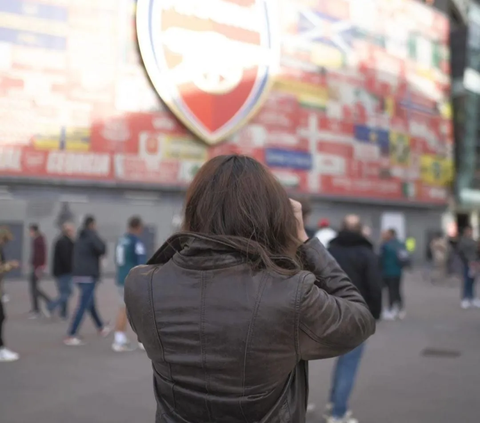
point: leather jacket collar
(206, 252)
(197, 251)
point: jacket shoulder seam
(298, 299)
(202, 343)
(157, 334)
(249, 334)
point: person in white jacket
(325, 234)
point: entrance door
(14, 249)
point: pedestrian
(87, 252)
(130, 252)
(6, 354)
(468, 251)
(439, 247)
(393, 258)
(226, 313)
(354, 253)
(62, 269)
(325, 233)
(38, 262)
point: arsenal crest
(211, 61)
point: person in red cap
(325, 233)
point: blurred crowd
(75, 261)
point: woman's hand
(297, 211)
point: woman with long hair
(231, 309)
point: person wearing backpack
(393, 258)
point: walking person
(440, 251)
(468, 251)
(393, 258)
(354, 253)
(230, 309)
(6, 355)
(130, 252)
(38, 262)
(62, 269)
(88, 250)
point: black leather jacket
(229, 344)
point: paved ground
(397, 384)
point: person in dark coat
(5, 267)
(62, 268)
(231, 309)
(354, 253)
(87, 252)
(38, 262)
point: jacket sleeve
(462, 251)
(39, 252)
(140, 253)
(98, 245)
(56, 258)
(334, 318)
(373, 283)
(137, 298)
(382, 254)
(140, 310)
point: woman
(230, 310)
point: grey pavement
(397, 384)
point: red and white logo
(211, 61)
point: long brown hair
(238, 200)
